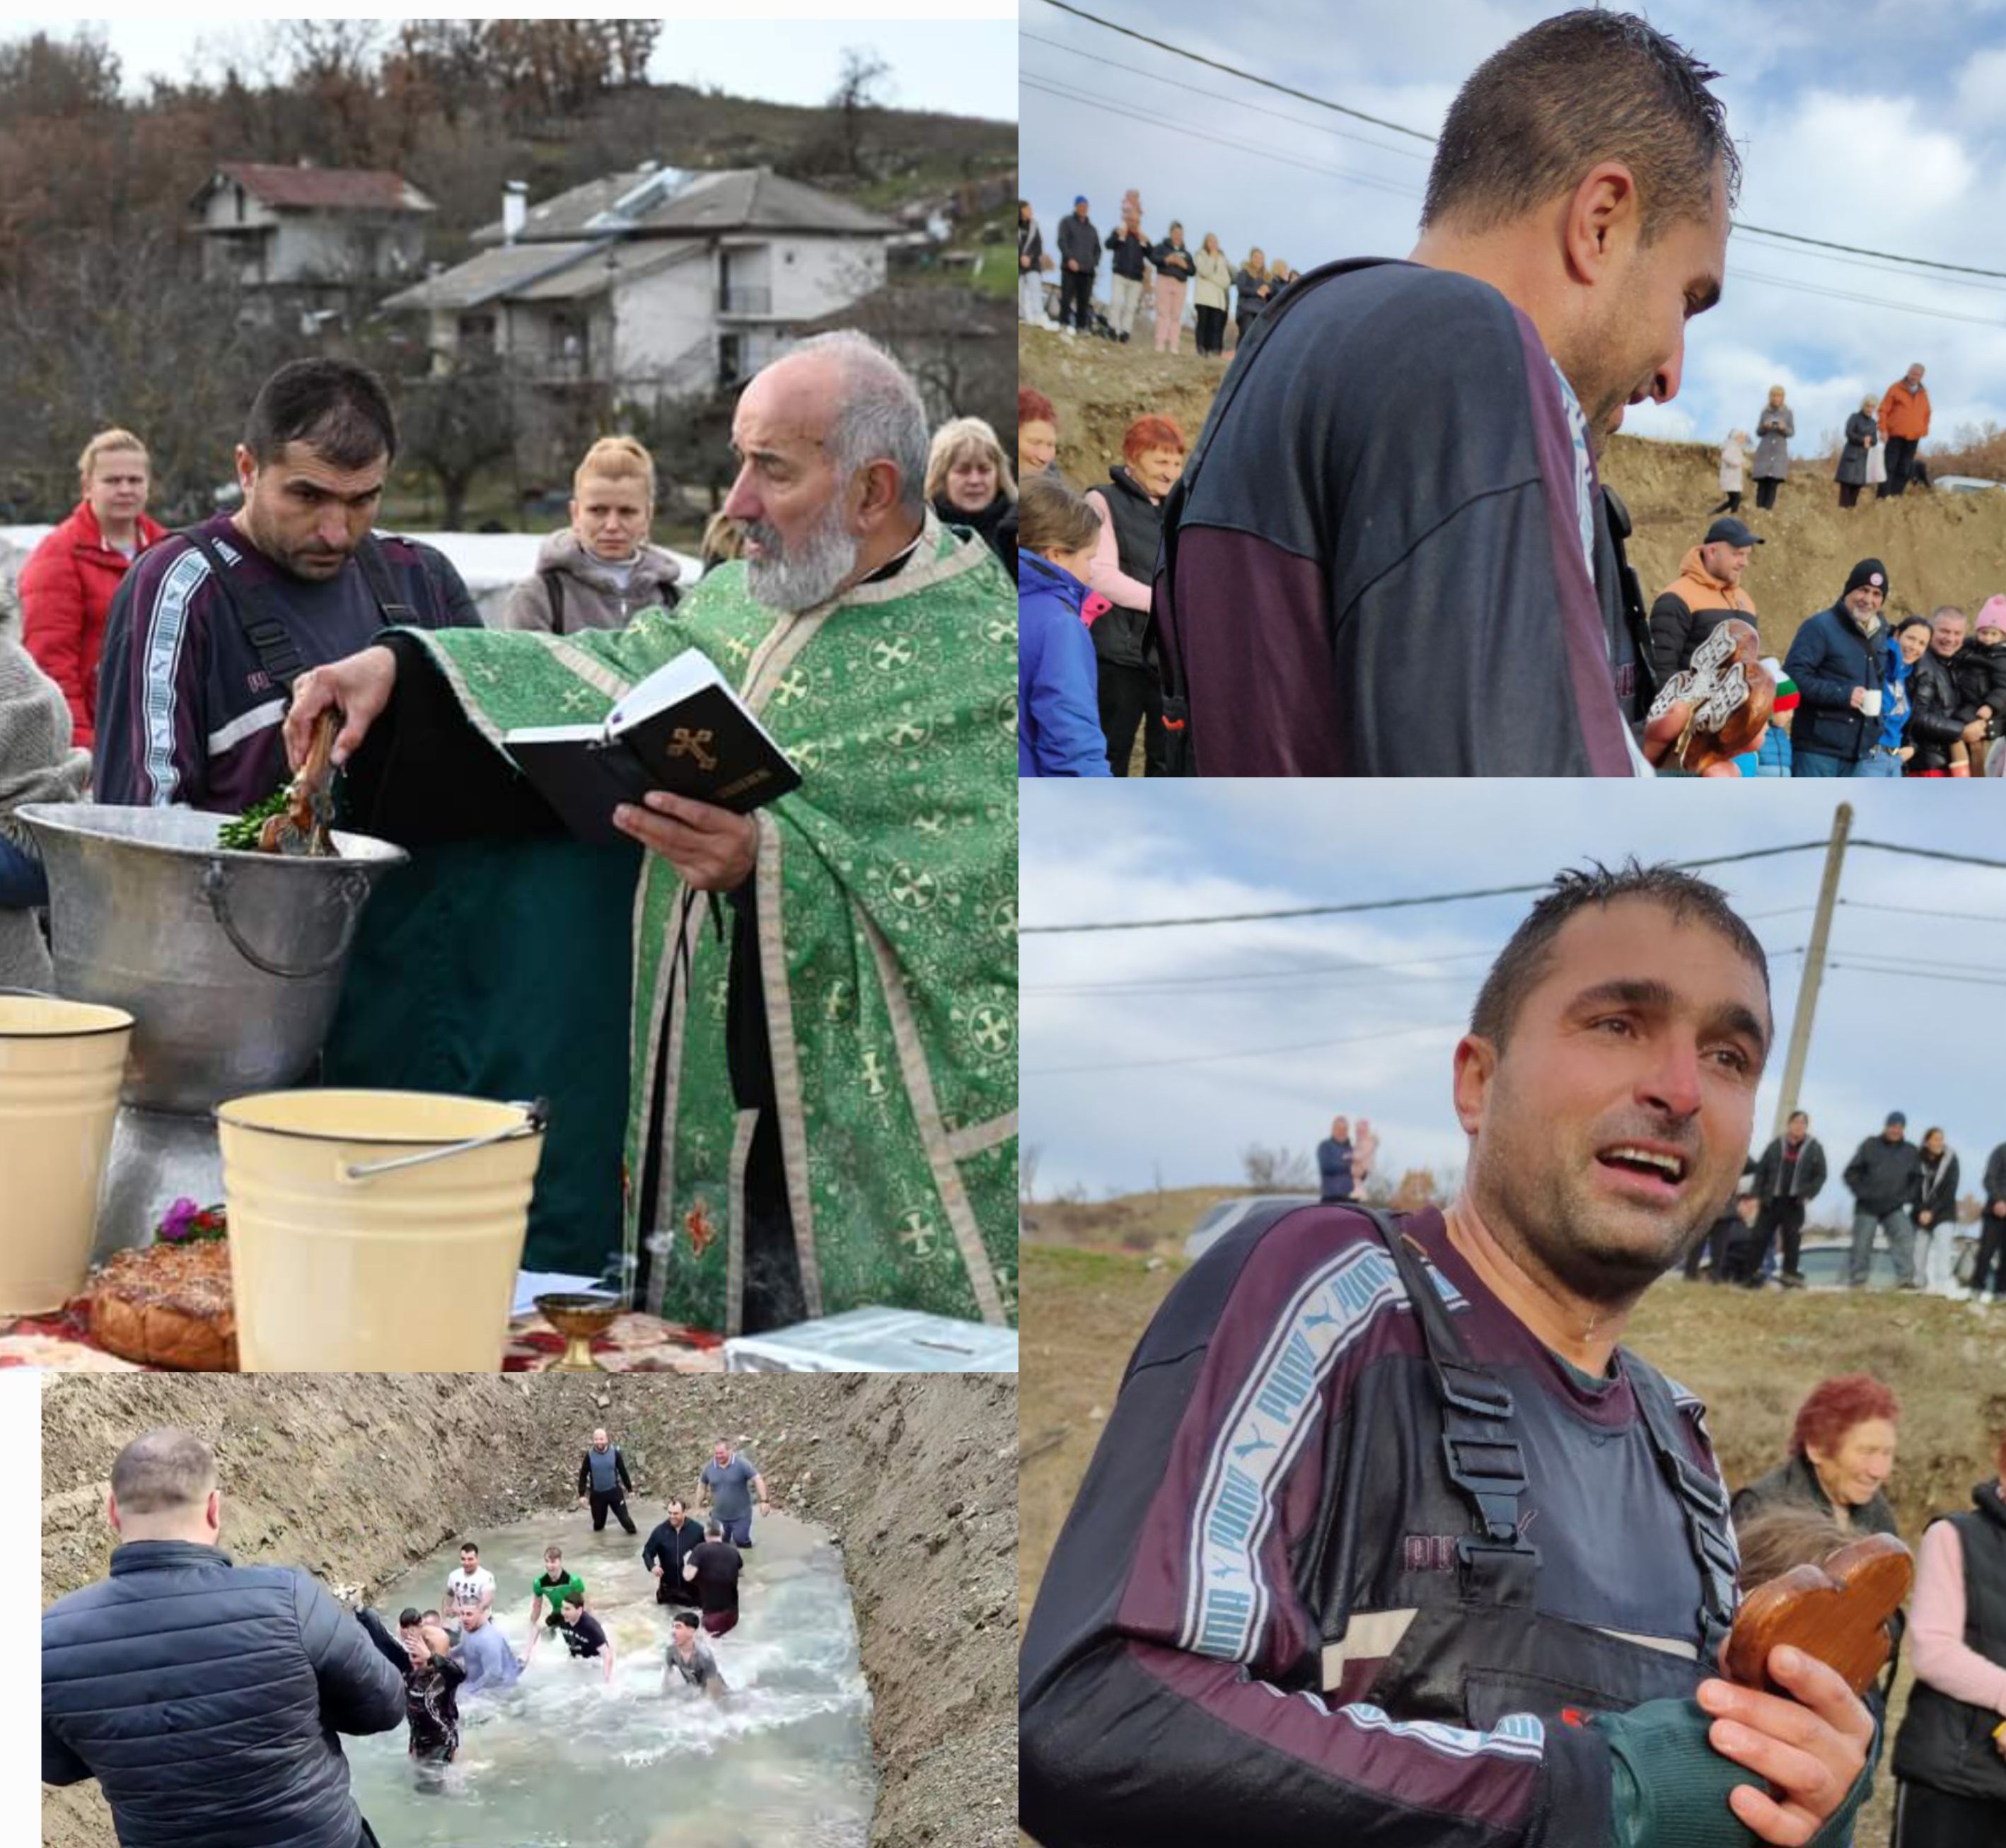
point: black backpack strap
(1636, 613)
(259, 614)
(1497, 1563)
(553, 589)
(397, 613)
(1701, 1499)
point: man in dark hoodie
(1128, 257)
(1839, 661)
(1883, 1175)
(206, 1697)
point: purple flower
(178, 1221)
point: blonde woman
(969, 482)
(600, 572)
(1774, 428)
(1734, 460)
(1209, 295)
(1251, 289)
(70, 578)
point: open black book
(682, 729)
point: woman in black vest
(1131, 506)
(1950, 1756)
(1842, 1452)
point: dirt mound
(356, 1477)
(1938, 548)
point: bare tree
(1027, 1155)
(859, 89)
(457, 423)
(1279, 1170)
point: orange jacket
(1905, 412)
(66, 589)
(1698, 589)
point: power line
(1252, 1052)
(1048, 88)
(1926, 911)
(1736, 273)
(1889, 846)
(1113, 64)
(1440, 898)
(1927, 975)
(1235, 71)
(1418, 134)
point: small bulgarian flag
(1787, 688)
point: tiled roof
(326, 188)
(671, 201)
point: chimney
(514, 209)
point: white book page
(555, 734)
(674, 680)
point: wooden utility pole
(1807, 988)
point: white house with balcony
(307, 228)
(656, 284)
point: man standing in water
(721, 1486)
(471, 1585)
(688, 1656)
(713, 1569)
(206, 1697)
(550, 1591)
(485, 1654)
(603, 1481)
(668, 1549)
(583, 1633)
(431, 1702)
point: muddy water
(565, 1760)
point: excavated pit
(361, 1478)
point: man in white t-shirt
(471, 1587)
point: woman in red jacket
(69, 582)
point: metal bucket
(376, 1231)
(230, 964)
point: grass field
(1751, 1356)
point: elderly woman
(969, 483)
(1842, 1452)
(1037, 435)
(1774, 428)
(36, 765)
(1861, 431)
(1131, 507)
(1950, 1756)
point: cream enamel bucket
(375, 1231)
(62, 1063)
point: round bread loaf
(167, 1305)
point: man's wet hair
(553, 1553)
(469, 1547)
(340, 411)
(688, 1619)
(568, 1599)
(410, 1614)
(677, 1501)
(165, 1469)
(1581, 88)
(713, 1530)
(1522, 965)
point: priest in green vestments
(823, 1061)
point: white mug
(1870, 702)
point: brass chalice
(578, 1318)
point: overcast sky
(963, 66)
(1880, 124)
(1377, 1042)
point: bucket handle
(538, 1117)
(352, 888)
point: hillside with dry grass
(1938, 548)
(1751, 1356)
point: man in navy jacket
(1840, 663)
(206, 1697)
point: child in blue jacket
(1059, 724)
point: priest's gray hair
(879, 416)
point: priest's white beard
(808, 575)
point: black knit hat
(1868, 571)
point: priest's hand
(711, 849)
(360, 685)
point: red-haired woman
(1037, 435)
(1842, 1453)
(1950, 1756)
(1131, 506)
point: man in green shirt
(548, 1592)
